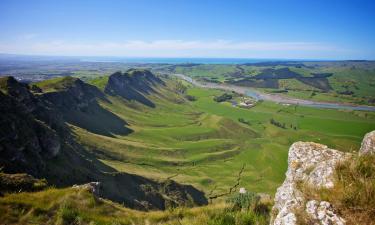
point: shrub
(248, 200)
(242, 120)
(277, 124)
(222, 98)
(191, 98)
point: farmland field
(341, 81)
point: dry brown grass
(79, 207)
(354, 192)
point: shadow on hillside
(79, 166)
(97, 120)
(132, 94)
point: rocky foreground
(312, 165)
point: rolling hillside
(37, 139)
(191, 140)
(137, 133)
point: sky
(282, 29)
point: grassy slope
(78, 206)
(202, 143)
(55, 84)
(68, 206)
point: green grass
(55, 84)
(78, 206)
(199, 142)
(99, 82)
(202, 142)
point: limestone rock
(93, 187)
(311, 164)
(368, 144)
(323, 212)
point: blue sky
(197, 28)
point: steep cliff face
(311, 165)
(134, 84)
(36, 140)
(73, 95)
(30, 132)
(77, 102)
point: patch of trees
(190, 98)
(346, 92)
(211, 80)
(280, 91)
(222, 98)
(281, 125)
(277, 123)
(321, 75)
(242, 120)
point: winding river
(275, 97)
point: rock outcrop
(311, 165)
(323, 213)
(92, 187)
(368, 144)
(134, 84)
(30, 133)
(78, 104)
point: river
(275, 97)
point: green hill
(37, 139)
(135, 131)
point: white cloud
(168, 48)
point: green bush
(248, 200)
(191, 98)
(224, 97)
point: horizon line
(180, 57)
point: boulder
(313, 165)
(92, 187)
(368, 144)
